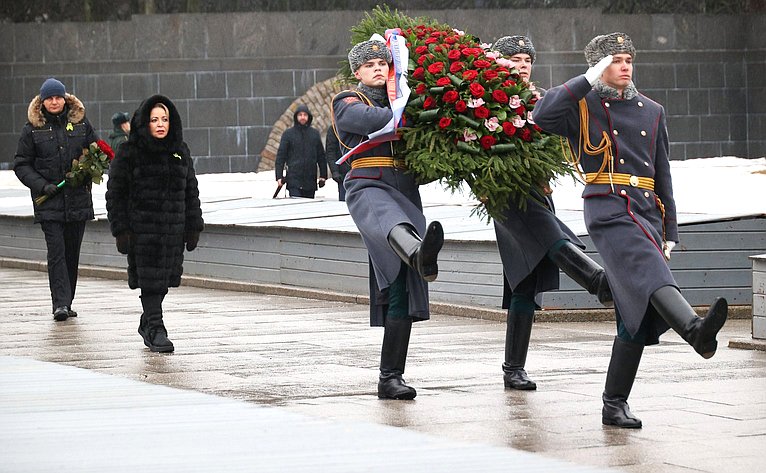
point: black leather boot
(698, 332)
(60, 314)
(155, 334)
(583, 270)
(396, 340)
(517, 333)
(418, 254)
(142, 328)
(619, 381)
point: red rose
(107, 150)
(450, 40)
(489, 74)
(537, 128)
(520, 110)
(508, 83)
(451, 96)
(500, 96)
(476, 89)
(481, 112)
(420, 89)
(487, 141)
(431, 40)
(481, 63)
(460, 105)
(422, 59)
(436, 67)
(456, 67)
(526, 135)
(436, 34)
(443, 81)
(421, 49)
(470, 74)
(509, 129)
(438, 48)
(453, 55)
(419, 73)
(429, 103)
(444, 122)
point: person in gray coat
(119, 135)
(384, 201)
(629, 208)
(534, 244)
(300, 149)
(56, 133)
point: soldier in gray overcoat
(384, 201)
(534, 244)
(619, 139)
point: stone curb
(483, 313)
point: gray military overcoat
(378, 199)
(524, 238)
(626, 222)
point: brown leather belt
(378, 162)
(621, 179)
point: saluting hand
(593, 73)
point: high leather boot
(583, 270)
(418, 254)
(155, 334)
(619, 381)
(698, 332)
(396, 340)
(517, 333)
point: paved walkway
(318, 360)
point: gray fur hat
(604, 45)
(368, 50)
(510, 45)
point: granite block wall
(233, 75)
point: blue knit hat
(52, 88)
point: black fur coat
(152, 199)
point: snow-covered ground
(704, 189)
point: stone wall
(233, 76)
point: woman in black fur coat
(154, 210)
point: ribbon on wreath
(397, 89)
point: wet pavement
(319, 359)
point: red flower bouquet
(89, 167)
(469, 117)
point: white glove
(667, 247)
(593, 73)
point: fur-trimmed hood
(139, 126)
(36, 116)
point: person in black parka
(56, 133)
(153, 207)
(301, 150)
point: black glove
(50, 190)
(191, 238)
(123, 242)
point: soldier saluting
(619, 140)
